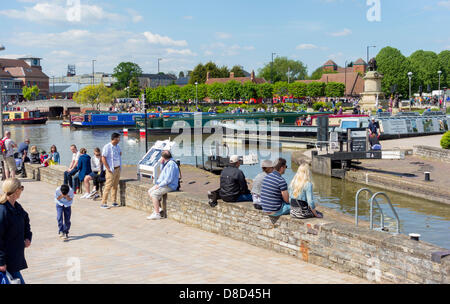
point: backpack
(3, 146)
(179, 177)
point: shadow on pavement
(105, 236)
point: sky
(245, 32)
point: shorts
(160, 192)
(10, 164)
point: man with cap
(267, 167)
(374, 127)
(233, 186)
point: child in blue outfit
(64, 199)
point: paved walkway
(121, 246)
(409, 142)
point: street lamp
(439, 73)
(159, 78)
(271, 69)
(196, 93)
(345, 67)
(370, 46)
(93, 72)
(410, 76)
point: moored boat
(23, 118)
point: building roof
(19, 68)
(59, 88)
(182, 81)
(360, 61)
(355, 83)
(330, 62)
(159, 76)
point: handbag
(300, 209)
(6, 279)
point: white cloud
(163, 40)
(342, 33)
(306, 46)
(135, 16)
(185, 52)
(58, 11)
(445, 4)
(222, 35)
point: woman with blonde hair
(35, 157)
(301, 194)
(15, 232)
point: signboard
(358, 141)
(397, 126)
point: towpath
(120, 246)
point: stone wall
(376, 256)
(431, 152)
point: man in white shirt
(112, 162)
(10, 162)
(72, 170)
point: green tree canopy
(124, 72)
(281, 66)
(232, 90)
(316, 89)
(281, 88)
(238, 71)
(334, 89)
(265, 91)
(30, 93)
(444, 67)
(249, 90)
(94, 95)
(215, 91)
(394, 67)
(424, 65)
(298, 89)
(173, 92)
(181, 74)
(135, 91)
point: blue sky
(185, 33)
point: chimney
(232, 75)
(252, 76)
(207, 75)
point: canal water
(430, 219)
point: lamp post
(159, 78)
(410, 76)
(196, 94)
(271, 69)
(439, 73)
(345, 90)
(93, 72)
(370, 46)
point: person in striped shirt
(274, 191)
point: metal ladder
(371, 201)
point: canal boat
(23, 118)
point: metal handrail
(371, 211)
(390, 204)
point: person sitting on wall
(267, 168)
(168, 181)
(374, 127)
(274, 191)
(233, 186)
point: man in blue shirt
(64, 199)
(374, 127)
(166, 182)
(274, 191)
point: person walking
(64, 199)
(15, 231)
(8, 146)
(167, 182)
(112, 161)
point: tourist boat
(65, 124)
(23, 118)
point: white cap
(234, 159)
(267, 164)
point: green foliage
(232, 90)
(249, 90)
(298, 89)
(215, 91)
(424, 65)
(334, 89)
(316, 89)
(30, 93)
(94, 95)
(445, 141)
(188, 92)
(394, 67)
(238, 71)
(281, 66)
(125, 72)
(173, 92)
(317, 74)
(281, 88)
(181, 74)
(199, 73)
(318, 105)
(444, 66)
(134, 89)
(265, 91)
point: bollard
(427, 176)
(142, 132)
(125, 132)
(414, 236)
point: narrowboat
(23, 118)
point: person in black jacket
(15, 232)
(233, 186)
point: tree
(187, 92)
(238, 71)
(317, 74)
(181, 74)
(281, 88)
(30, 93)
(198, 74)
(173, 92)
(298, 89)
(444, 67)
(265, 91)
(281, 66)
(424, 65)
(316, 89)
(394, 67)
(215, 91)
(334, 89)
(249, 90)
(134, 89)
(232, 90)
(124, 72)
(94, 95)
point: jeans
(244, 198)
(68, 177)
(17, 275)
(63, 216)
(284, 210)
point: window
(279, 119)
(113, 118)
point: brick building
(242, 80)
(352, 76)
(23, 72)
